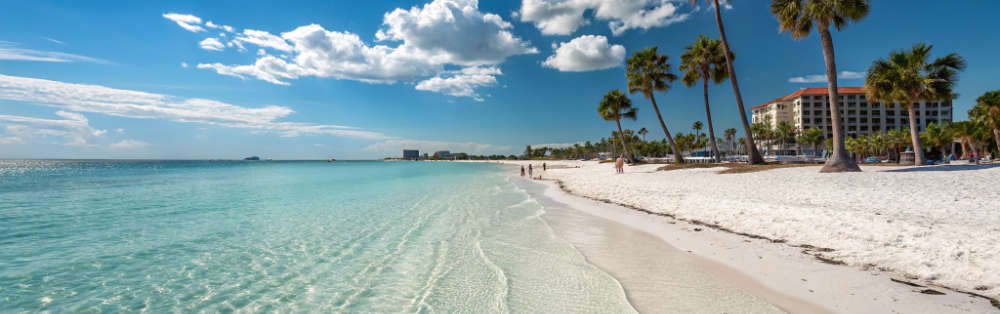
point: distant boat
(252, 158)
(331, 159)
(268, 159)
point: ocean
(290, 236)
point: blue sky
(364, 79)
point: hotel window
(876, 120)
(864, 128)
(863, 120)
(850, 96)
(876, 112)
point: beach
(910, 239)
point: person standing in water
(522, 170)
(530, 170)
(544, 167)
(620, 164)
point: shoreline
(791, 271)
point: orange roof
(813, 91)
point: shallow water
(290, 236)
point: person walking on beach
(522, 170)
(530, 170)
(543, 167)
(620, 164)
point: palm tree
(987, 113)
(731, 137)
(704, 60)
(898, 138)
(966, 131)
(783, 132)
(614, 107)
(643, 132)
(907, 76)
(649, 72)
(938, 137)
(812, 136)
(798, 18)
(753, 155)
(697, 126)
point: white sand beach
(936, 227)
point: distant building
(442, 154)
(411, 154)
(809, 108)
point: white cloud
(128, 145)
(53, 40)
(263, 39)
(563, 17)
(394, 147)
(142, 105)
(461, 83)
(557, 145)
(821, 78)
(185, 21)
(184, 64)
(426, 39)
(74, 127)
(120, 130)
(586, 53)
(8, 51)
(211, 44)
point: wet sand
(669, 266)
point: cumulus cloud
(74, 127)
(186, 21)
(461, 83)
(211, 43)
(128, 145)
(563, 17)
(142, 105)
(586, 53)
(9, 51)
(411, 45)
(821, 78)
(394, 147)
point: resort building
(809, 108)
(411, 154)
(442, 154)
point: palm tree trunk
(677, 153)
(753, 156)
(628, 154)
(708, 116)
(918, 148)
(840, 162)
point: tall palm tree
(797, 17)
(731, 138)
(966, 131)
(697, 126)
(643, 132)
(907, 76)
(987, 113)
(614, 107)
(704, 60)
(783, 131)
(648, 72)
(753, 155)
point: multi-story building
(442, 154)
(809, 108)
(411, 154)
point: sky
(366, 79)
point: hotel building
(809, 108)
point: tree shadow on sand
(947, 168)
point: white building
(809, 108)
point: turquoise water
(289, 236)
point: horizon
(199, 81)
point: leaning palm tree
(614, 107)
(648, 72)
(966, 132)
(704, 60)
(797, 17)
(907, 76)
(753, 155)
(987, 113)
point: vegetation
(797, 18)
(614, 107)
(704, 60)
(987, 114)
(648, 72)
(907, 76)
(753, 156)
